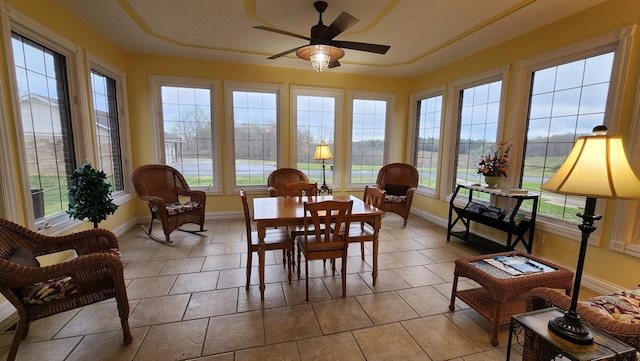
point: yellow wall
(611, 15)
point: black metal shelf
(515, 228)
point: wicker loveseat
(618, 314)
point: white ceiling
(423, 34)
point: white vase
(492, 182)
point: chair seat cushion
(177, 208)
(622, 306)
(395, 199)
(50, 290)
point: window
(478, 119)
(369, 148)
(255, 130)
(566, 93)
(315, 113)
(566, 102)
(107, 129)
(45, 114)
(425, 127)
(187, 128)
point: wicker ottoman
(503, 295)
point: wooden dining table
(289, 211)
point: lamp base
(571, 329)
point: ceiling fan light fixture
(320, 55)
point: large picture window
(107, 128)
(254, 130)
(45, 113)
(427, 139)
(315, 115)
(478, 118)
(369, 136)
(186, 130)
(566, 101)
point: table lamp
(323, 152)
(597, 167)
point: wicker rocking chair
(161, 186)
(400, 181)
(95, 275)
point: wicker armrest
(197, 196)
(85, 242)
(13, 275)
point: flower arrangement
(496, 163)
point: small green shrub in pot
(90, 195)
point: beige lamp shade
(322, 152)
(596, 167)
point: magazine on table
(518, 265)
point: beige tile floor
(188, 302)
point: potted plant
(90, 195)
(495, 164)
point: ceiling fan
(323, 51)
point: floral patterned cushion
(395, 199)
(48, 291)
(622, 306)
(177, 208)
(54, 289)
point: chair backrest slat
(330, 222)
(247, 216)
(301, 189)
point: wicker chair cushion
(54, 289)
(622, 306)
(23, 257)
(50, 290)
(395, 199)
(177, 208)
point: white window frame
(452, 120)
(338, 96)
(619, 42)
(13, 20)
(96, 63)
(414, 98)
(229, 88)
(625, 235)
(156, 82)
(390, 98)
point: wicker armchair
(95, 275)
(400, 181)
(161, 186)
(279, 177)
(543, 297)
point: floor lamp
(597, 167)
(323, 152)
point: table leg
(496, 325)
(510, 339)
(454, 287)
(376, 231)
(262, 232)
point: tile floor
(188, 302)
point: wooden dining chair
(276, 238)
(301, 189)
(365, 231)
(325, 240)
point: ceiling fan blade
(285, 52)
(282, 32)
(343, 22)
(334, 64)
(372, 48)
